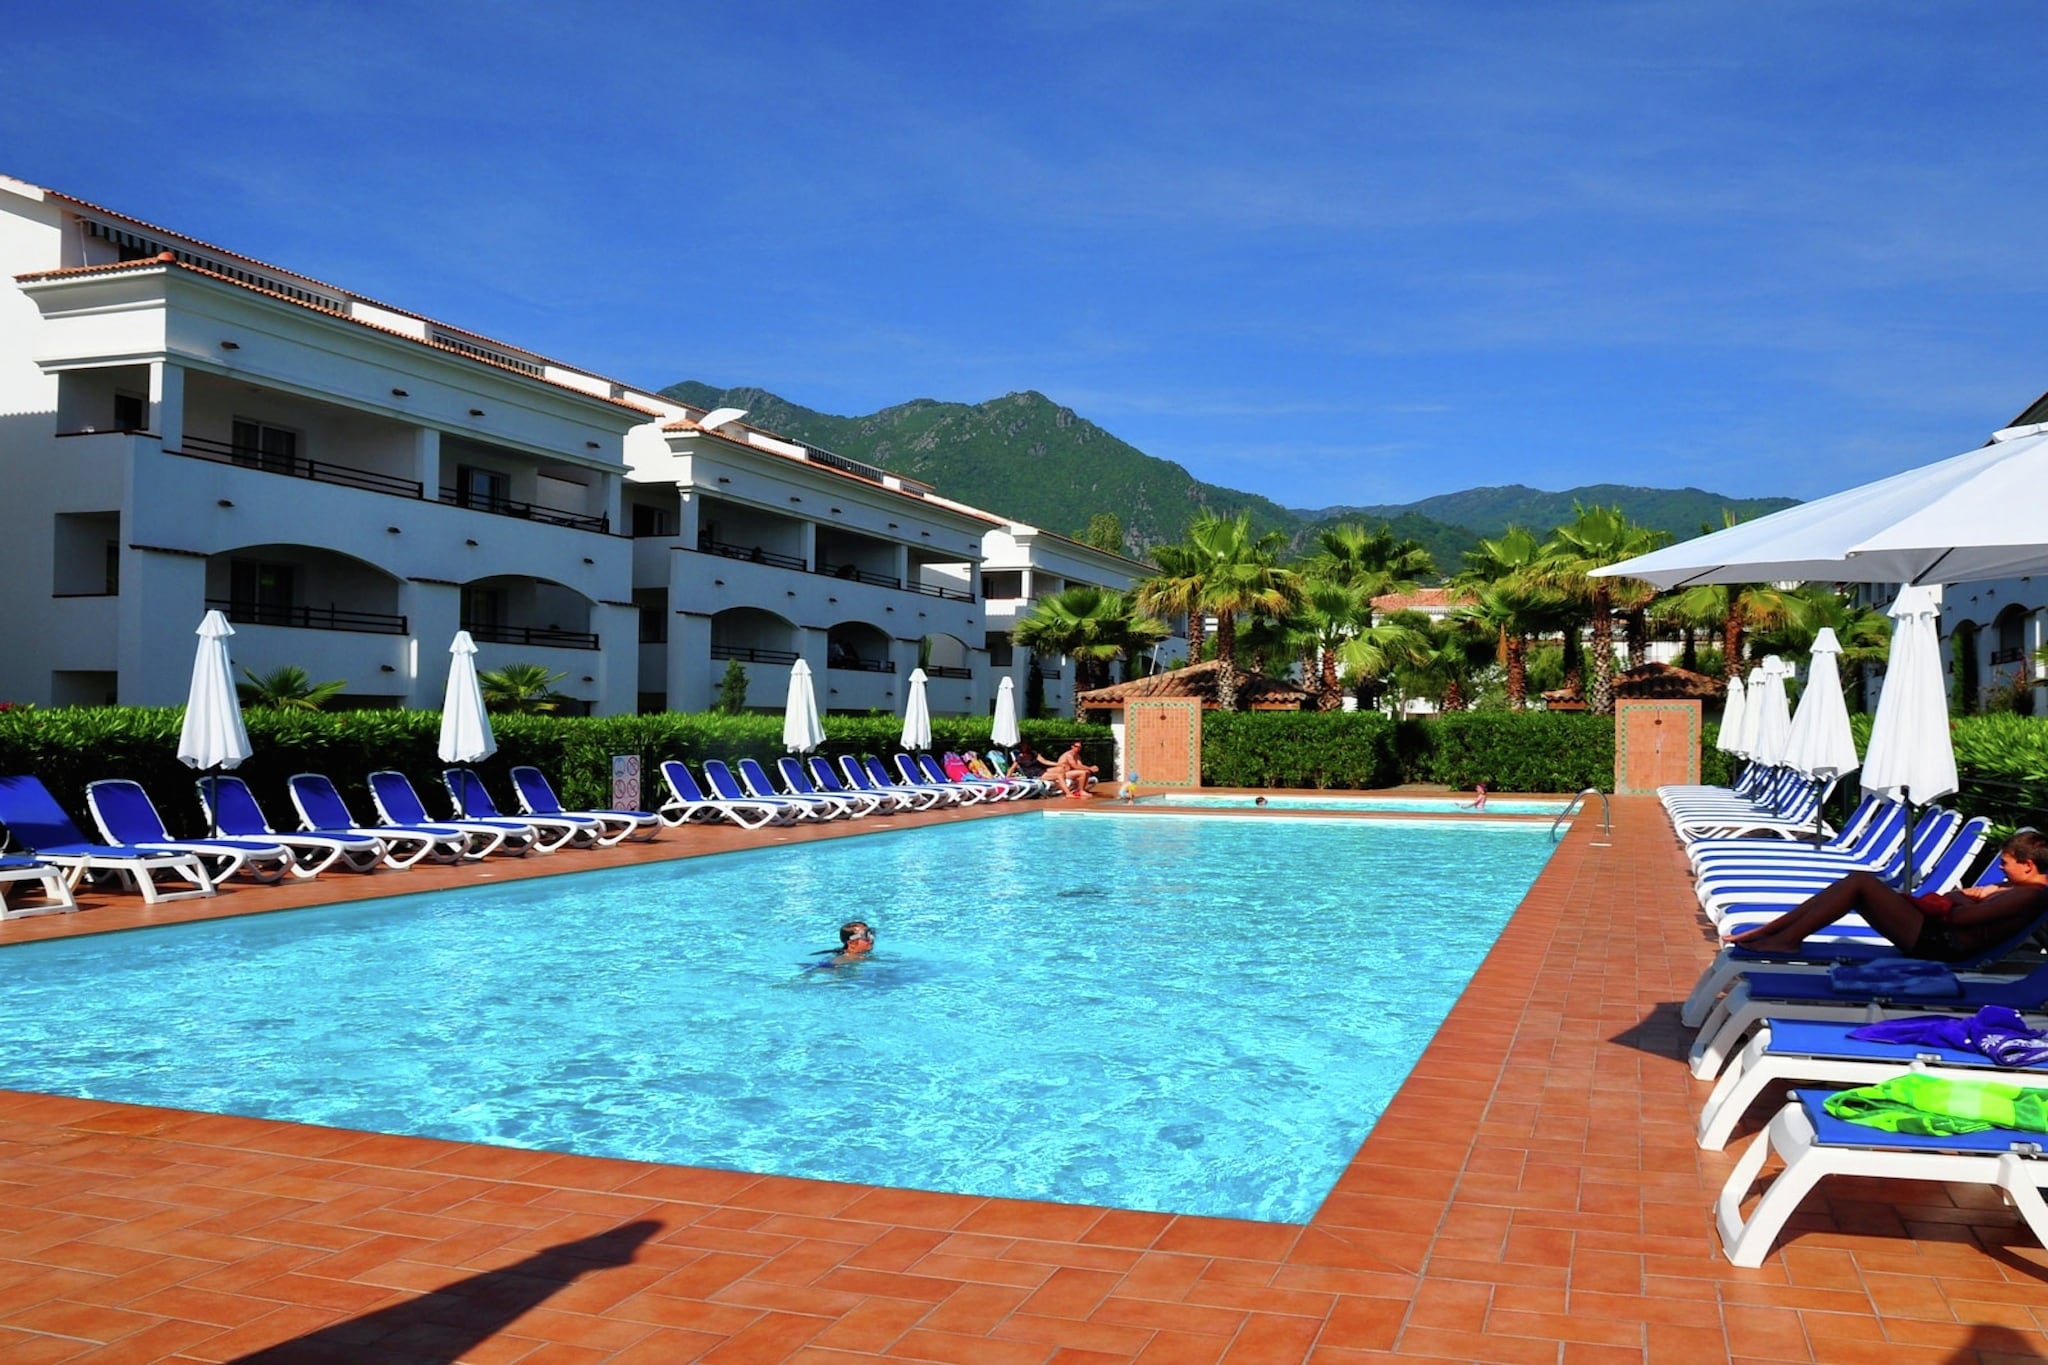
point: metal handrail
(1606, 812)
(320, 471)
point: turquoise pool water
(1188, 1015)
(1360, 805)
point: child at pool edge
(1128, 794)
(1478, 801)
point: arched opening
(945, 656)
(753, 636)
(511, 609)
(304, 587)
(858, 647)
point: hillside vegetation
(1025, 456)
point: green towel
(1936, 1106)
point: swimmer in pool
(1478, 802)
(856, 941)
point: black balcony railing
(854, 573)
(748, 654)
(950, 594)
(525, 511)
(320, 471)
(310, 618)
(2007, 656)
(847, 663)
(1049, 673)
(943, 671)
(542, 636)
(752, 554)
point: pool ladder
(1606, 813)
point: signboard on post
(625, 782)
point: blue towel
(1997, 1032)
(1901, 976)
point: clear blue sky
(1338, 252)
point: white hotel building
(183, 427)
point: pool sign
(625, 782)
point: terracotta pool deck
(1532, 1194)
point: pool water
(1362, 805)
(1185, 1015)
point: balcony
(311, 618)
(2011, 655)
(320, 471)
(525, 511)
(944, 671)
(949, 594)
(751, 654)
(855, 665)
(853, 573)
(750, 554)
(540, 637)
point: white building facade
(1021, 566)
(182, 427)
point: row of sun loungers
(136, 849)
(1769, 1020)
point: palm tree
(1593, 539)
(1327, 616)
(1176, 591)
(1240, 573)
(521, 688)
(1096, 626)
(1864, 633)
(288, 688)
(1449, 655)
(1373, 562)
(1376, 652)
(1501, 576)
(1739, 609)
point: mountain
(1025, 456)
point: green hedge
(71, 746)
(1298, 749)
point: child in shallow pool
(1478, 801)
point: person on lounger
(1073, 776)
(1943, 927)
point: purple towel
(1997, 1032)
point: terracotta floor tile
(1532, 1193)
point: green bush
(1298, 749)
(1515, 751)
(71, 746)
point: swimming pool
(1446, 804)
(1187, 1015)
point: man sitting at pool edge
(1947, 927)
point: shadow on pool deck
(1532, 1193)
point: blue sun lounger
(398, 804)
(868, 775)
(126, 815)
(1808, 1050)
(1804, 995)
(38, 824)
(913, 775)
(687, 802)
(797, 782)
(322, 811)
(473, 802)
(231, 808)
(17, 869)
(1814, 1144)
(1851, 939)
(728, 789)
(537, 797)
(757, 782)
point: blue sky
(1343, 252)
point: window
(261, 592)
(488, 489)
(650, 521)
(262, 446)
(1002, 584)
(131, 412)
(482, 608)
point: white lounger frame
(2017, 1174)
